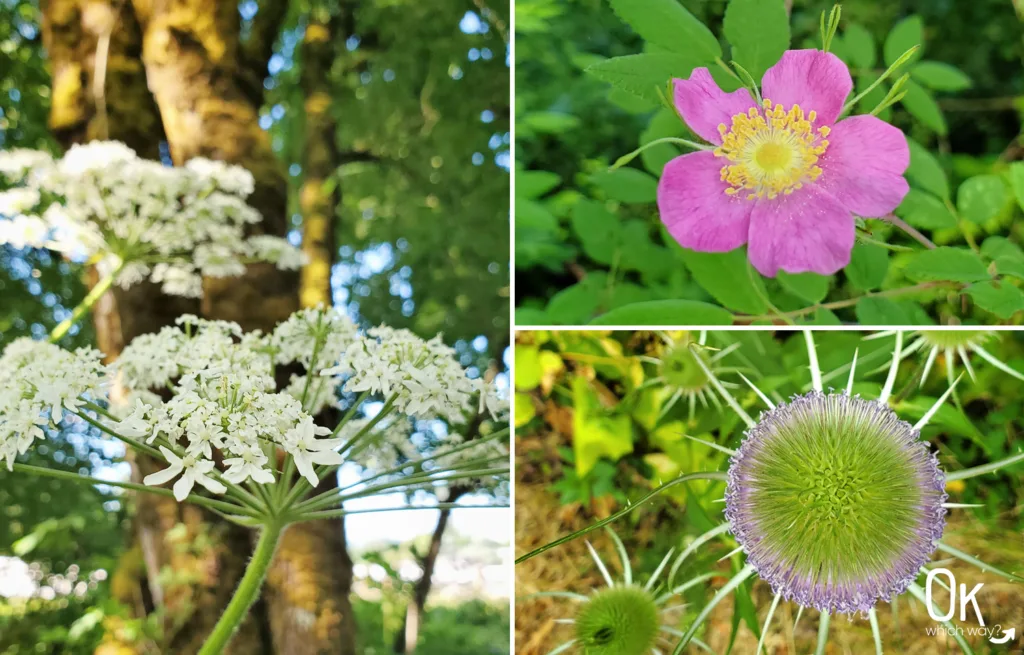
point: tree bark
(408, 636)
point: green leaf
(666, 312)
(906, 34)
(534, 184)
(880, 311)
(860, 46)
(575, 305)
(596, 433)
(549, 122)
(940, 77)
(923, 107)
(1010, 266)
(524, 410)
(1001, 298)
(726, 277)
(980, 198)
(926, 171)
(1017, 181)
(922, 209)
(666, 24)
(642, 75)
(825, 317)
(868, 265)
(946, 263)
(627, 184)
(599, 230)
(996, 247)
(527, 367)
(758, 31)
(809, 286)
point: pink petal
(695, 209)
(807, 231)
(817, 81)
(704, 106)
(863, 165)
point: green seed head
(953, 339)
(681, 370)
(836, 501)
(618, 621)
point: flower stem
(247, 593)
(94, 295)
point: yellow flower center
(771, 152)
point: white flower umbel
(202, 401)
(170, 224)
(42, 383)
(781, 457)
(421, 378)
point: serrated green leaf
(995, 247)
(809, 286)
(922, 209)
(946, 263)
(726, 277)
(758, 31)
(880, 311)
(825, 317)
(860, 45)
(574, 305)
(904, 35)
(923, 107)
(1001, 298)
(666, 312)
(627, 184)
(665, 123)
(940, 76)
(667, 24)
(980, 198)
(868, 266)
(642, 75)
(925, 170)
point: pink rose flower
(785, 178)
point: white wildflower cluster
(151, 362)
(219, 411)
(172, 225)
(41, 383)
(424, 377)
(295, 339)
(203, 392)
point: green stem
(95, 294)
(247, 593)
(159, 491)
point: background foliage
(589, 244)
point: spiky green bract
(620, 620)
(681, 370)
(836, 501)
(953, 339)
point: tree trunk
(405, 640)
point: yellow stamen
(771, 152)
